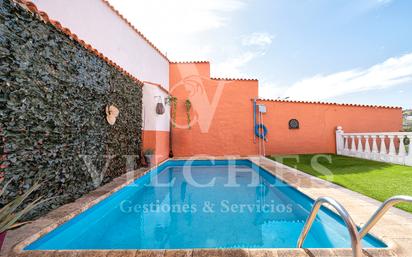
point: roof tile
(134, 28)
(241, 79)
(327, 103)
(43, 16)
(189, 62)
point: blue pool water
(258, 211)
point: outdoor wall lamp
(160, 108)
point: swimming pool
(201, 204)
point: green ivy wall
(53, 98)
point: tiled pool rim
(394, 229)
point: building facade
(213, 116)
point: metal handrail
(381, 211)
(353, 231)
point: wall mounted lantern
(160, 108)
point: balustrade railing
(393, 147)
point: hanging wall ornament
(160, 108)
(111, 114)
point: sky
(346, 51)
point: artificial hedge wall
(53, 98)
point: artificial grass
(377, 180)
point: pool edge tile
(263, 253)
(220, 253)
(357, 205)
(178, 253)
(150, 253)
(25, 235)
(398, 247)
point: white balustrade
(346, 142)
(367, 146)
(341, 142)
(382, 146)
(392, 150)
(353, 144)
(408, 159)
(383, 154)
(402, 151)
(410, 147)
(367, 152)
(374, 144)
(359, 149)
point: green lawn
(374, 179)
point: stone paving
(395, 228)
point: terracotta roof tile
(31, 6)
(188, 62)
(134, 28)
(327, 103)
(43, 16)
(241, 79)
(157, 85)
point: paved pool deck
(395, 228)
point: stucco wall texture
(222, 118)
(159, 141)
(222, 112)
(318, 124)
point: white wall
(98, 25)
(151, 120)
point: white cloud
(257, 44)
(368, 5)
(383, 2)
(187, 16)
(271, 90)
(183, 29)
(392, 72)
(174, 25)
(261, 39)
(232, 67)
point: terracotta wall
(159, 141)
(222, 118)
(318, 123)
(221, 112)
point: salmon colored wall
(158, 141)
(221, 111)
(222, 115)
(318, 123)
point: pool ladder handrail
(381, 211)
(353, 231)
(356, 236)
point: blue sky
(353, 51)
